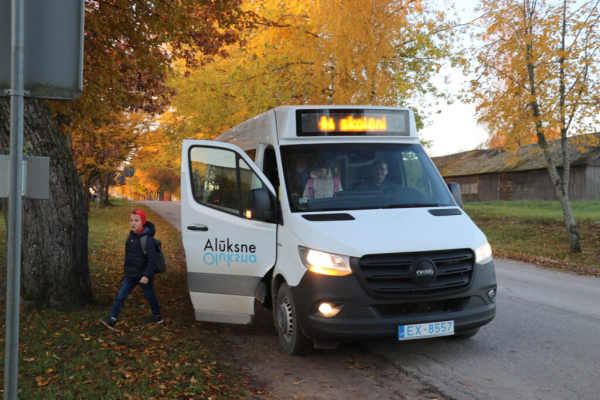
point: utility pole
(53, 41)
(15, 187)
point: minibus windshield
(337, 177)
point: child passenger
(321, 183)
(139, 269)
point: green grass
(534, 231)
(584, 211)
(70, 355)
(2, 241)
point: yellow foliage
(101, 148)
(158, 158)
(316, 52)
(537, 70)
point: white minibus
(334, 218)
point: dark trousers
(128, 285)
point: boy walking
(139, 269)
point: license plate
(422, 331)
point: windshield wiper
(378, 207)
(412, 205)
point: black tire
(291, 337)
(465, 334)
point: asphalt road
(543, 344)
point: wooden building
(494, 174)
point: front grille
(422, 308)
(389, 274)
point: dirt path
(348, 372)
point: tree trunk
(103, 189)
(562, 191)
(54, 264)
(572, 232)
(561, 185)
(87, 196)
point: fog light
(325, 308)
(492, 294)
(329, 310)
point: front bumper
(362, 316)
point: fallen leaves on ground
(70, 354)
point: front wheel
(291, 337)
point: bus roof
(296, 124)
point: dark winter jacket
(138, 264)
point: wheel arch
(276, 282)
(267, 299)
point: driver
(377, 178)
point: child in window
(321, 183)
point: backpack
(161, 264)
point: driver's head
(379, 170)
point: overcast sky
(455, 129)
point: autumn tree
(158, 157)
(54, 267)
(538, 71)
(498, 139)
(100, 151)
(374, 52)
(125, 64)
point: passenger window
(249, 180)
(214, 174)
(415, 176)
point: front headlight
(325, 263)
(483, 255)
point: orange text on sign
(351, 124)
(326, 124)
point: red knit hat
(141, 214)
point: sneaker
(155, 319)
(109, 322)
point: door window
(221, 179)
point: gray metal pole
(13, 281)
(130, 195)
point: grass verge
(2, 241)
(534, 231)
(70, 355)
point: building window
(469, 188)
(523, 186)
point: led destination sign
(352, 122)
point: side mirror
(261, 206)
(455, 190)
